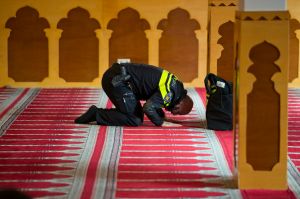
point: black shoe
(88, 116)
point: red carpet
(41, 147)
(294, 128)
(226, 140)
(44, 154)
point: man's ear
(176, 107)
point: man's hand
(161, 113)
(170, 124)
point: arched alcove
(27, 46)
(225, 64)
(78, 47)
(178, 46)
(128, 38)
(263, 129)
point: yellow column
(153, 37)
(220, 12)
(53, 79)
(103, 36)
(202, 59)
(262, 70)
(296, 82)
(4, 79)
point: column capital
(103, 33)
(263, 16)
(222, 3)
(153, 33)
(53, 78)
(297, 34)
(56, 33)
(5, 32)
(200, 33)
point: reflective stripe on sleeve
(164, 87)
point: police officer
(126, 84)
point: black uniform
(159, 88)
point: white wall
(263, 5)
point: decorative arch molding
(260, 16)
(223, 3)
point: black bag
(219, 103)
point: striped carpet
(294, 141)
(45, 155)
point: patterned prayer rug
(45, 155)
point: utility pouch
(130, 102)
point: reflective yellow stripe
(213, 89)
(164, 85)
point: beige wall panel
(53, 11)
(103, 11)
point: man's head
(183, 107)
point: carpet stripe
(112, 156)
(84, 179)
(162, 162)
(9, 114)
(222, 161)
(46, 155)
(93, 164)
(293, 178)
(9, 97)
(293, 141)
(42, 148)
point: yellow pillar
(220, 12)
(53, 79)
(202, 70)
(4, 79)
(153, 37)
(261, 108)
(103, 36)
(296, 82)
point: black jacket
(159, 88)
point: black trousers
(128, 110)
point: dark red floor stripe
(2, 113)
